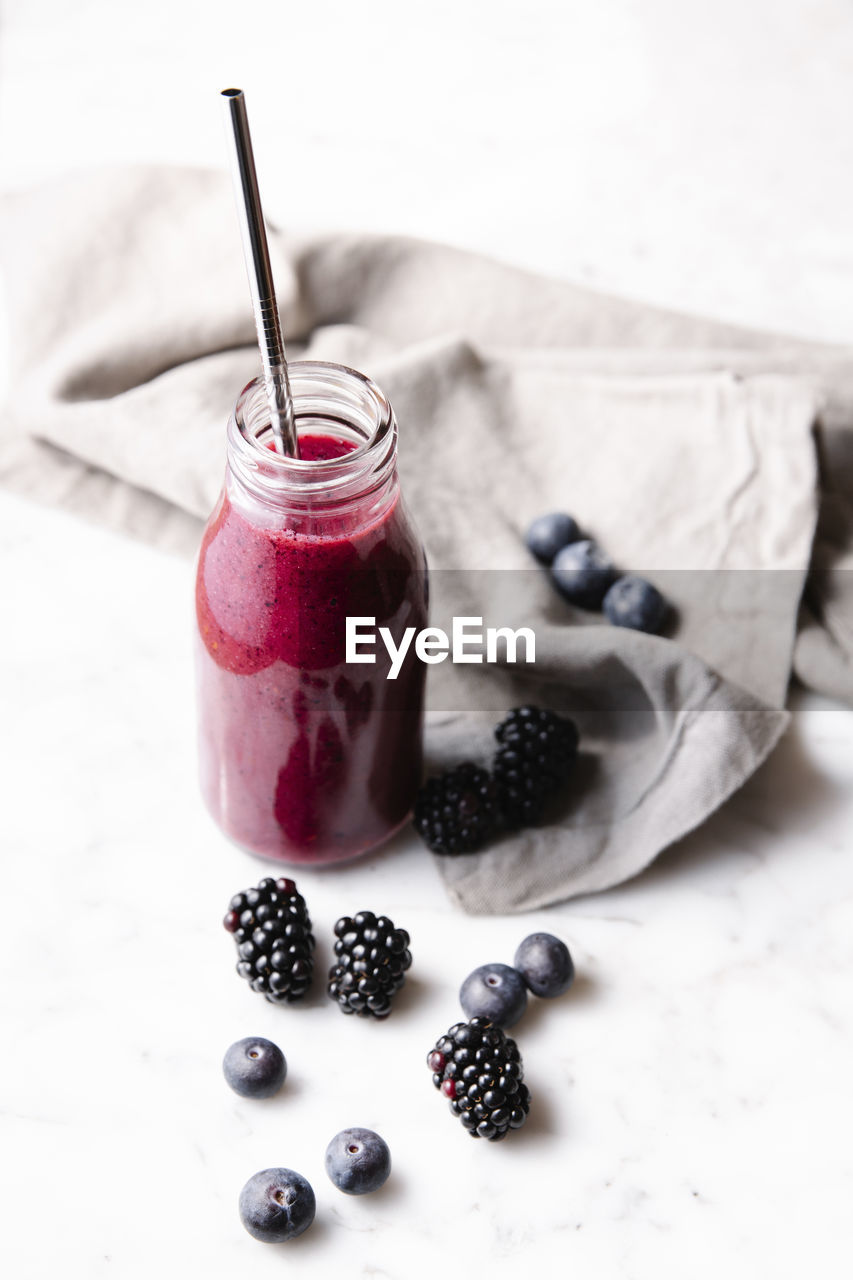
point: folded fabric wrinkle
(713, 460)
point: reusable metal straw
(256, 253)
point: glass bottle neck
(332, 403)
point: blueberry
(545, 964)
(549, 533)
(496, 992)
(634, 602)
(276, 1205)
(254, 1067)
(358, 1161)
(582, 573)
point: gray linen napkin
(686, 447)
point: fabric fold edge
(729, 726)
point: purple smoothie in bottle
(305, 757)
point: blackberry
(536, 750)
(478, 1068)
(371, 959)
(457, 811)
(272, 930)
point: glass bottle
(304, 757)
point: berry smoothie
(304, 757)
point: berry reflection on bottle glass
(304, 757)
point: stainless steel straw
(256, 252)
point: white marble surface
(692, 1104)
(691, 153)
(692, 1108)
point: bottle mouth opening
(329, 400)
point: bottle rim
(326, 396)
